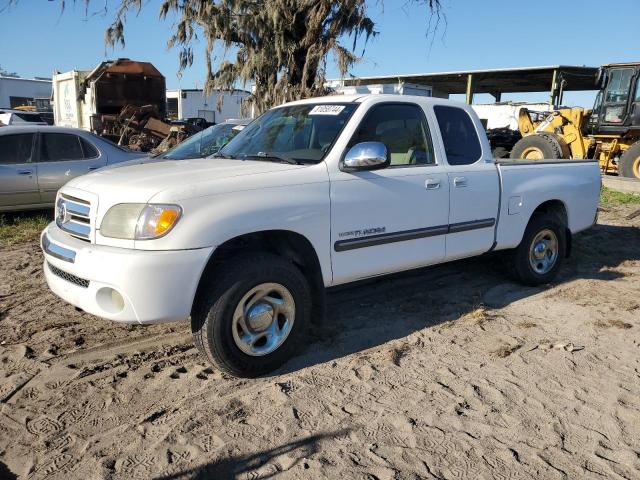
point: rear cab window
(89, 150)
(459, 135)
(55, 147)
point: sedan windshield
(203, 143)
(296, 133)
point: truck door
(64, 156)
(18, 176)
(473, 185)
(394, 218)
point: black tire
(523, 269)
(220, 294)
(630, 162)
(547, 144)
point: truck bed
(553, 161)
(527, 184)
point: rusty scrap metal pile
(141, 129)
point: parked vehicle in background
(200, 122)
(19, 117)
(93, 100)
(45, 114)
(35, 161)
(609, 133)
(312, 194)
(207, 142)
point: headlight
(139, 221)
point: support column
(469, 98)
(554, 89)
(497, 96)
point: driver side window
(404, 131)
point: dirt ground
(447, 372)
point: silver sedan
(35, 161)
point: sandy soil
(448, 372)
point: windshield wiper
(219, 154)
(270, 156)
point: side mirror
(366, 156)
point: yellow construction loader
(610, 132)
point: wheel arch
(558, 209)
(285, 243)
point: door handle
(25, 172)
(92, 168)
(460, 182)
(431, 184)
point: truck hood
(139, 181)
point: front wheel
(251, 314)
(539, 256)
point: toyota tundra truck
(312, 194)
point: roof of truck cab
(327, 99)
(360, 98)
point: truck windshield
(202, 144)
(301, 133)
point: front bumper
(124, 285)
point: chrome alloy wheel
(263, 319)
(543, 252)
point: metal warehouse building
(16, 91)
(555, 79)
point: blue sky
(478, 34)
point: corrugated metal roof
(498, 80)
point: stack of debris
(141, 129)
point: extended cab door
(394, 218)
(64, 156)
(474, 188)
(18, 176)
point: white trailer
(68, 109)
(505, 115)
(192, 103)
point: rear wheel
(538, 146)
(630, 162)
(251, 314)
(539, 256)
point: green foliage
(610, 197)
(16, 228)
(281, 47)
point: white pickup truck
(312, 194)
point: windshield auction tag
(326, 110)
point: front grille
(80, 282)
(74, 216)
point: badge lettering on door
(363, 233)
